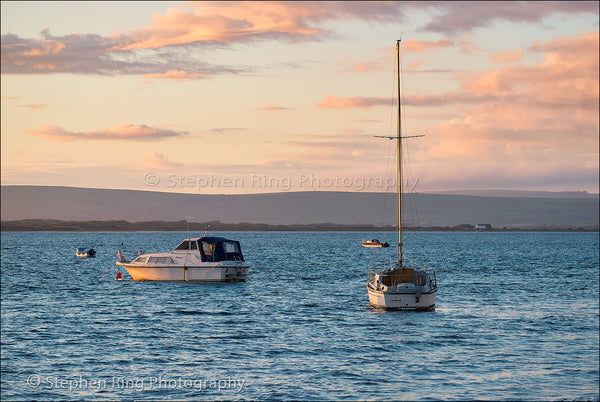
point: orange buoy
(119, 278)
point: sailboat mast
(399, 150)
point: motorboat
(203, 259)
(85, 252)
(402, 285)
(375, 243)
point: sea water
(516, 319)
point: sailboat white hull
(402, 301)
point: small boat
(202, 259)
(85, 252)
(402, 286)
(375, 243)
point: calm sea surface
(516, 319)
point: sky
(261, 97)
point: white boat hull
(201, 259)
(213, 273)
(402, 301)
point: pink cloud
(508, 57)
(93, 54)
(129, 132)
(532, 118)
(567, 78)
(361, 66)
(569, 46)
(154, 159)
(273, 107)
(249, 21)
(205, 24)
(448, 98)
(222, 130)
(46, 47)
(177, 75)
(337, 102)
(454, 17)
(514, 124)
(417, 46)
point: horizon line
(441, 192)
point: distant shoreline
(309, 210)
(50, 225)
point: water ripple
(516, 319)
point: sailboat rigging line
(399, 142)
(412, 193)
(406, 156)
(387, 193)
(401, 127)
(399, 137)
(411, 207)
(388, 172)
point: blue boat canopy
(214, 249)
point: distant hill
(288, 208)
(521, 193)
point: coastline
(51, 225)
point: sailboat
(403, 285)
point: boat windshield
(187, 245)
(231, 247)
(207, 248)
(215, 249)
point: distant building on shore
(483, 226)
